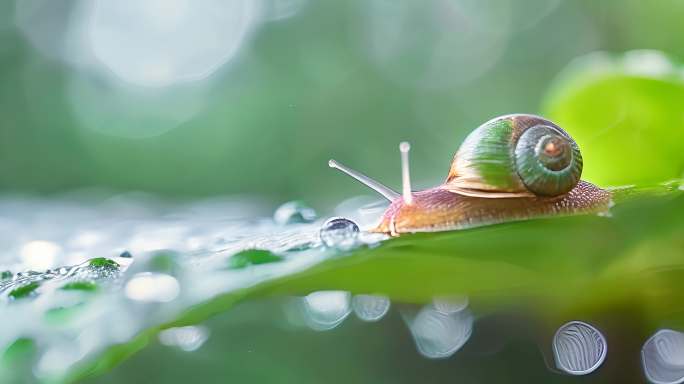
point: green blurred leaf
(21, 349)
(625, 112)
(84, 286)
(559, 266)
(252, 257)
(103, 262)
(23, 291)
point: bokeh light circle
(163, 42)
(435, 45)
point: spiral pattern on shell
(548, 161)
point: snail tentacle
(387, 192)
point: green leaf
(85, 286)
(24, 291)
(625, 112)
(560, 267)
(103, 262)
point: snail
(513, 167)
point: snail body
(512, 167)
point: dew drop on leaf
(294, 212)
(339, 233)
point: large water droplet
(662, 357)
(152, 287)
(370, 307)
(339, 233)
(579, 348)
(438, 334)
(326, 310)
(294, 212)
(99, 268)
(188, 338)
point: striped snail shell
(516, 155)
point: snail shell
(516, 156)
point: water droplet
(294, 212)
(439, 335)
(126, 255)
(188, 338)
(662, 357)
(450, 304)
(370, 307)
(152, 287)
(103, 262)
(579, 348)
(26, 274)
(99, 268)
(325, 310)
(339, 233)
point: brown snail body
(513, 167)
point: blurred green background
(253, 97)
(188, 99)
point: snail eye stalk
(378, 187)
(404, 148)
